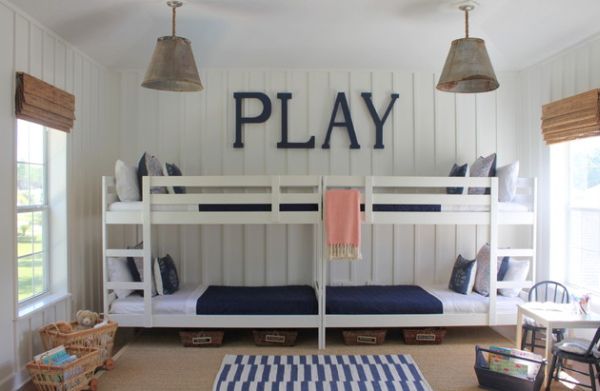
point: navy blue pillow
(167, 280)
(173, 170)
(135, 273)
(457, 171)
(463, 275)
(502, 269)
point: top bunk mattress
(502, 207)
(225, 300)
(136, 206)
(410, 299)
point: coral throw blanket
(342, 223)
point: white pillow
(158, 283)
(507, 181)
(517, 271)
(126, 182)
(119, 272)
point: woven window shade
(44, 104)
(572, 118)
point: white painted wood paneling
(570, 72)
(425, 134)
(92, 148)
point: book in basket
(513, 366)
(55, 357)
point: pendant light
(468, 67)
(172, 67)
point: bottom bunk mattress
(410, 300)
(254, 300)
(381, 299)
(225, 300)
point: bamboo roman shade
(44, 104)
(572, 118)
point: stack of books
(55, 357)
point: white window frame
(45, 209)
(570, 207)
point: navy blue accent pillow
(167, 280)
(135, 273)
(502, 269)
(463, 275)
(172, 170)
(457, 171)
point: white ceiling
(402, 34)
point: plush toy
(87, 319)
(64, 327)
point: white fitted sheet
(134, 206)
(137, 206)
(456, 303)
(182, 302)
(502, 207)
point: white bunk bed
(399, 200)
(209, 200)
(275, 197)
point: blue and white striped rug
(320, 373)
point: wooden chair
(579, 350)
(542, 292)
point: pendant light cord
(174, 20)
(466, 23)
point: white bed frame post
(534, 231)
(493, 250)
(324, 268)
(105, 302)
(147, 250)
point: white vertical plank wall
(425, 134)
(570, 72)
(92, 147)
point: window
(583, 214)
(32, 210)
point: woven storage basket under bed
(424, 336)
(364, 337)
(101, 338)
(275, 337)
(201, 338)
(74, 376)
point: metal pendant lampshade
(172, 67)
(468, 67)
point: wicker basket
(101, 338)
(275, 337)
(364, 337)
(425, 336)
(74, 376)
(201, 338)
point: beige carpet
(155, 360)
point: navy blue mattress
(257, 207)
(381, 300)
(259, 300)
(315, 208)
(404, 208)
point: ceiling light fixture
(468, 67)
(172, 67)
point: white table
(553, 316)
